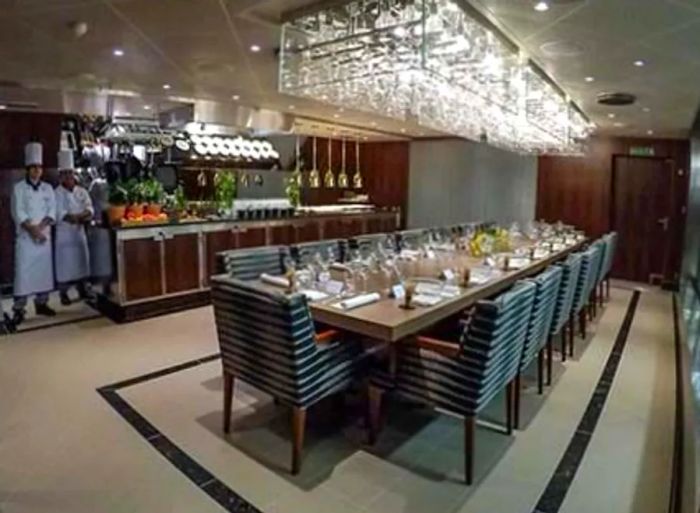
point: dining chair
(611, 243)
(250, 263)
(547, 285)
(562, 322)
(462, 376)
(304, 253)
(599, 247)
(366, 244)
(268, 340)
(411, 238)
(583, 290)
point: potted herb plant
(293, 189)
(136, 193)
(154, 194)
(118, 198)
(226, 189)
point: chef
(73, 211)
(33, 211)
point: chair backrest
(366, 244)
(598, 256)
(305, 252)
(547, 286)
(266, 338)
(411, 238)
(250, 263)
(571, 268)
(610, 243)
(582, 290)
(492, 342)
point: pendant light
(314, 176)
(357, 177)
(298, 172)
(329, 177)
(342, 176)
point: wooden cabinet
(251, 237)
(142, 274)
(181, 263)
(217, 242)
(282, 235)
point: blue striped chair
(412, 238)
(564, 308)
(463, 377)
(546, 289)
(586, 280)
(606, 267)
(305, 253)
(366, 244)
(250, 263)
(268, 340)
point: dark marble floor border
(554, 494)
(193, 470)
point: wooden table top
(385, 320)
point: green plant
(118, 193)
(180, 199)
(153, 191)
(135, 190)
(225, 189)
(293, 189)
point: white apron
(33, 260)
(99, 238)
(72, 256)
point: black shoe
(65, 299)
(8, 323)
(17, 318)
(45, 310)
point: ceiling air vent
(616, 99)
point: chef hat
(65, 160)
(33, 154)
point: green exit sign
(642, 151)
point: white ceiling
(202, 49)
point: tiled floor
(76, 311)
(63, 448)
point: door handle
(664, 221)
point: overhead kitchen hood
(211, 117)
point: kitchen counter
(161, 268)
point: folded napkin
(314, 295)
(517, 263)
(426, 300)
(357, 301)
(541, 253)
(481, 276)
(409, 254)
(277, 281)
(558, 246)
(337, 266)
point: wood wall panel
(181, 256)
(577, 190)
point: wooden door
(642, 213)
(182, 263)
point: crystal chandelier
(437, 63)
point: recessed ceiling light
(166, 86)
(336, 116)
(646, 109)
(589, 79)
(235, 97)
(611, 115)
(341, 109)
(639, 63)
(292, 107)
(618, 124)
(374, 123)
(146, 107)
(324, 97)
(365, 137)
(3, 107)
(118, 52)
(541, 6)
(254, 48)
(650, 132)
(403, 130)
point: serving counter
(166, 268)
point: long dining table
(386, 321)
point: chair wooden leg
(298, 428)
(540, 372)
(550, 356)
(582, 323)
(564, 338)
(601, 294)
(469, 439)
(375, 409)
(607, 287)
(509, 408)
(516, 402)
(228, 400)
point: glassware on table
(409, 287)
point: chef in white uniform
(33, 211)
(73, 211)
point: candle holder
(409, 290)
